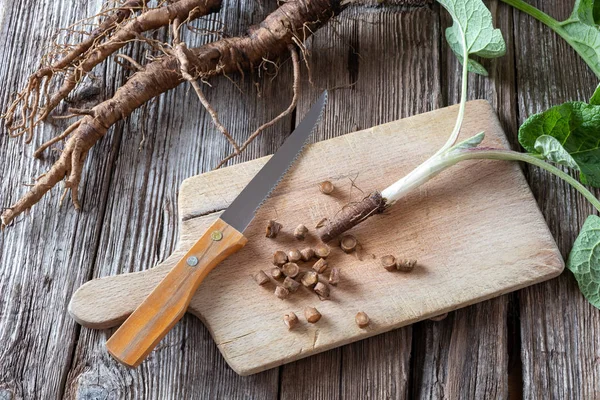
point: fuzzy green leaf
(552, 150)
(587, 11)
(595, 99)
(584, 260)
(576, 126)
(581, 30)
(470, 143)
(585, 39)
(583, 33)
(473, 31)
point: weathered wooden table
(387, 62)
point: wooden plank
(559, 328)
(385, 63)
(246, 319)
(445, 364)
(161, 147)
(47, 254)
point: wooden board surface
(476, 231)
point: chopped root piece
(261, 278)
(388, 262)
(300, 232)
(326, 187)
(362, 320)
(282, 292)
(279, 258)
(273, 228)
(312, 314)
(276, 273)
(348, 243)
(439, 317)
(322, 251)
(406, 265)
(320, 266)
(307, 254)
(334, 276)
(322, 289)
(290, 284)
(291, 320)
(310, 279)
(294, 255)
(290, 269)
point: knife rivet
(216, 235)
(192, 261)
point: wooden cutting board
(476, 231)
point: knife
(167, 303)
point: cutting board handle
(106, 302)
(167, 303)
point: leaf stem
(441, 162)
(509, 155)
(557, 27)
(463, 100)
(534, 12)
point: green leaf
(587, 11)
(595, 99)
(475, 67)
(470, 143)
(552, 150)
(585, 39)
(580, 30)
(584, 260)
(576, 126)
(473, 32)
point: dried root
(274, 37)
(352, 215)
(254, 135)
(28, 99)
(82, 58)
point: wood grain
(173, 139)
(137, 169)
(438, 347)
(495, 229)
(559, 327)
(49, 252)
(385, 63)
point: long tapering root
(69, 166)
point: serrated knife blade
(241, 211)
(167, 303)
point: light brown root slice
(294, 102)
(36, 79)
(352, 215)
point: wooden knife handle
(167, 303)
